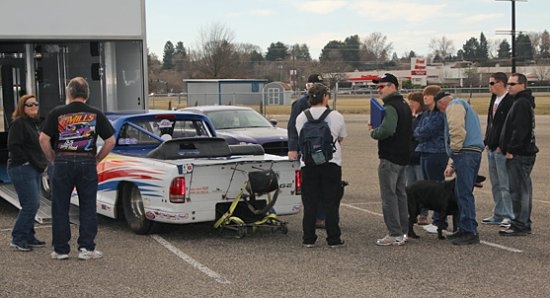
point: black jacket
(397, 148)
(298, 106)
(23, 145)
(495, 123)
(518, 133)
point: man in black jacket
(500, 104)
(517, 142)
(394, 136)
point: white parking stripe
(510, 249)
(217, 277)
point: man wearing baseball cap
(301, 104)
(464, 145)
(394, 137)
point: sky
(407, 24)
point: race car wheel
(134, 211)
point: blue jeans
(26, 180)
(414, 173)
(71, 172)
(521, 190)
(392, 180)
(433, 167)
(466, 164)
(500, 186)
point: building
(224, 91)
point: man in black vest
(394, 136)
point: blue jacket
(430, 132)
(462, 128)
(298, 106)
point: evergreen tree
(277, 51)
(168, 57)
(524, 49)
(483, 49)
(504, 50)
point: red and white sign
(419, 74)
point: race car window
(154, 132)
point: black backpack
(316, 144)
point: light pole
(513, 32)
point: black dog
(437, 196)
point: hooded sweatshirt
(518, 133)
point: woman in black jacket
(25, 164)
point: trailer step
(44, 214)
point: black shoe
(455, 235)
(21, 247)
(37, 243)
(511, 232)
(467, 238)
(337, 244)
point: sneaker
(422, 221)
(20, 247)
(85, 254)
(37, 243)
(466, 239)
(337, 245)
(390, 240)
(405, 238)
(58, 256)
(430, 229)
(491, 221)
(511, 232)
(308, 245)
(455, 235)
(505, 223)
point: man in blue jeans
(517, 141)
(500, 104)
(464, 144)
(74, 161)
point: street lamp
(513, 32)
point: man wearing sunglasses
(394, 136)
(517, 142)
(500, 104)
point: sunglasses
(30, 104)
(492, 83)
(512, 84)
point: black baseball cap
(315, 78)
(387, 78)
(440, 95)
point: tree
(350, 51)
(504, 50)
(217, 56)
(277, 51)
(180, 57)
(167, 58)
(544, 47)
(524, 49)
(442, 47)
(470, 49)
(376, 48)
(332, 51)
(300, 52)
(483, 49)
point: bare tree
(216, 56)
(376, 48)
(442, 47)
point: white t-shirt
(337, 126)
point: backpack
(316, 144)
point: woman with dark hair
(25, 164)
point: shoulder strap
(308, 115)
(325, 114)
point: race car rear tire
(134, 212)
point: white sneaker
(505, 223)
(85, 254)
(431, 229)
(390, 240)
(57, 256)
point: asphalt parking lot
(195, 261)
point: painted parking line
(195, 264)
(495, 245)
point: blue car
(243, 125)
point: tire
(134, 211)
(45, 189)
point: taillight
(177, 190)
(298, 184)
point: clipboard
(376, 113)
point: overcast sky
(408, 24)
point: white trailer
(43, 44)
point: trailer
(43, 44)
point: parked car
(243, 125)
